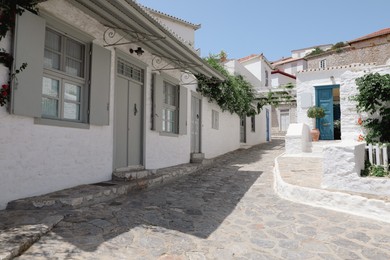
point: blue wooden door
(324, 98)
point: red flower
(360, 121)
(4, 93)
(5, 86)
(361, 138)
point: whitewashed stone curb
(339, 201)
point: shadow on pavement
(195, 204)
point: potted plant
(315, 112)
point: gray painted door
(195, 125)
(243, 129)
(128, 123)
(284, 120)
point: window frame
(253, 123)
(322, 64)
(64, 77)
(214, 119)
(266, 78)
(170, 107)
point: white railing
(377, 154)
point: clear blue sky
(274, 28)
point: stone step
(89, 194)
(76, 197)
(130, 175)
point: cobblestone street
(227, 212)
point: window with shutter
(169, 105)
(55, 85)
(64, 90)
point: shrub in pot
(315, 112)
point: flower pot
(315, 134)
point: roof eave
(129, 14)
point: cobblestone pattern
(227, 212)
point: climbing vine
(235, 94)
(374, 99)
(8, 12)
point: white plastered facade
(38, 159)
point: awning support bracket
(115, 36)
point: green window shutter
(158, 85)
(100, 86)
(28, 48)
(183, 111)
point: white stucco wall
(350, 130)
(345, 77)
(164, 150)
(38, 159)
(260, 134)
(236, 68)
(293, 67)
(342, 165)
(278, 79)
(305, 85)
(255, 66)
(184, 31)
(226, 138)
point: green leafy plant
(374, 99)
(315, 112)
(314, 52)
(235, 94)
(338, 46)
(374, 170)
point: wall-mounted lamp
(139, 51)
(332, 78)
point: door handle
(135, 109)
(197, 116)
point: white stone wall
(278, 79)
(186, 32)
(255, 66)
(306, 82)
(38, 159)
(350, 130)
(236, 68)
(342, 165)
(164, 150)
(226, 138)
(345, 77)
(298, 139)
(260, 134)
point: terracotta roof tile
(285, 60)
(283, 73)
(195, 26)
(372, 35)
(249, 57)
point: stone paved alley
(227, 212)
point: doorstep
(89, 194)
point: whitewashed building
(107, 87)
(255, 129)
(329, 82)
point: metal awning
(128, 15)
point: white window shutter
(183, 111)
(158, 86)
(100, 86)
(28, 48)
